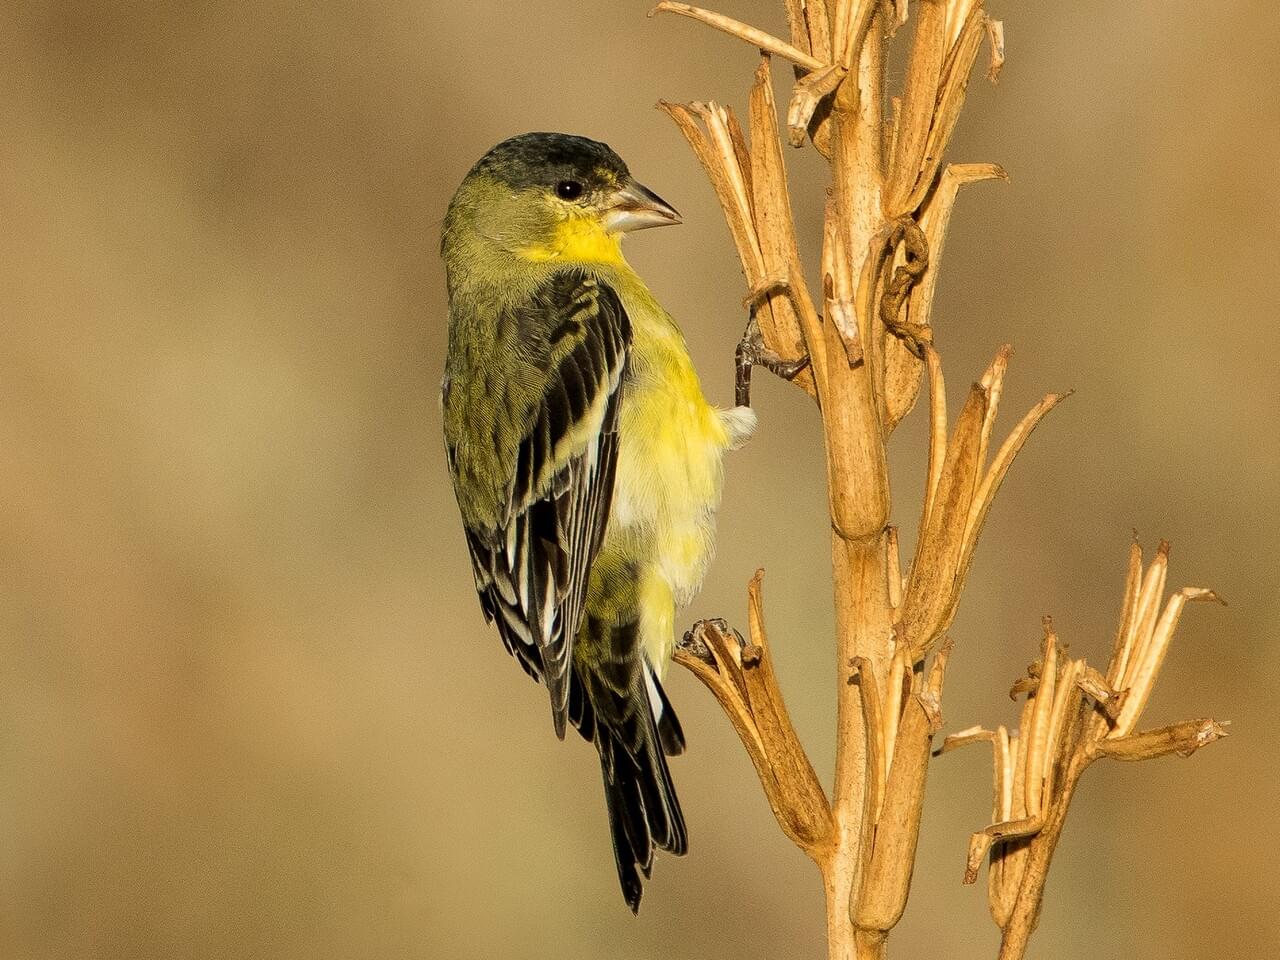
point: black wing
(531, 565)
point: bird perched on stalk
(585, 458)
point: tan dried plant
(863, 348)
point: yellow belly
(667, 485)
(668, 477)
(668, 482)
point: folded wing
(543, 421)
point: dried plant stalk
(736, 28)
(1073, 716)
(868, 335)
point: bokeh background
(248, 705)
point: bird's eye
(568, 189)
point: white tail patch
(651, 686)
(548, 609)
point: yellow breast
(671, 443)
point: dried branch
(741, 677)
(736, 28)
(1073, 716)
(886, 881)
(1184, 739)
(958, 494)
(809, 93)
(995, 37)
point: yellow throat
(578, 240)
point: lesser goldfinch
(585, 458)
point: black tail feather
(613, 700)
(669, 731)
(644, 812)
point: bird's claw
(752, 352)
(694, 641)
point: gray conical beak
(635, 207)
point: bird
(585, 458)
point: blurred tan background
(248, 705)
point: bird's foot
(752, 352)
(695, 638)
